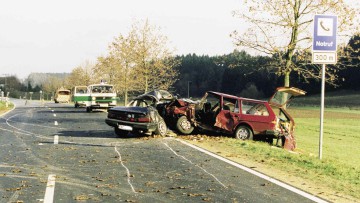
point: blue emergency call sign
(325, 28)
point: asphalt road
(57, 153)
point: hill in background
(37, 79)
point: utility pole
(188, 89)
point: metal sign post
(322, 110)
(324, 52)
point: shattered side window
(229, 104)
(144, 102)
(210, 103)
(236, 108)
(254, 108)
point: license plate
(125, 127)
(104, 105)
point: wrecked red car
(243, 118)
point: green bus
(96, 96)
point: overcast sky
(57, 36)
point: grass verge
(4, 108)
(336, 177)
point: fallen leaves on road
(16, 170)
(82, 197)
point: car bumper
(102, 106)
(145, 127)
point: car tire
(88, 109)
(243, 133)
(161, 128)
(121, 133)
(184, 126)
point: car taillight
(144, 120)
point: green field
(336, 177)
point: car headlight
(93, 98)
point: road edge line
(260, 175)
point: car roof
(100, 85)
(235, 97)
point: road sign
(324, 57)
(324, 40)
(325, 28)
(324, 52)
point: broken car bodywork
(140, 115)
(241, 117)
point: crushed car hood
(158, 95)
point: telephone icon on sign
(323, 27)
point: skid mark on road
(31, 124)
(14, 197)
(127, 170)
(195, 165)
(21, 131)
(12, 131)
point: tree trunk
(125, 97)
(146, 84)
(287, 79)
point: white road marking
(260, 175)
(56, 139)
(23, 131)
(56, 123)
(127, 170)
(50, 189)
(54, 115)
(195, 165)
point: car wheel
(183, 125)
(243, 133)
(88, 109)
(161, 128)
(76, 105)
(120, 133)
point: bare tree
(123, 50)
(155, 65)
(82, 75)
(282, 28)
(139, 61)
(106, 69)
